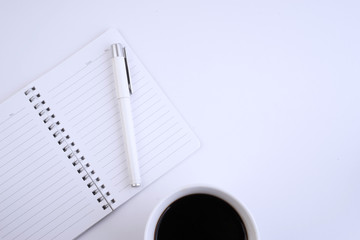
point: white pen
(123, 92)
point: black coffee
(200, 216)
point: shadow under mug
(162, 209)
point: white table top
(271, 88)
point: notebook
(62, 163)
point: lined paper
(87, 100)
(42, 196)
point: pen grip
(129, 140)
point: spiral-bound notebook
(62, 163)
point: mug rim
(155, 214)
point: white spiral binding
(78, 161)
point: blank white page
(42, 194)
(85, 97)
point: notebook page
(42, 195)
(86, 97)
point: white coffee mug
(248, 221)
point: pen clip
(127, 71)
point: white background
(270, 87)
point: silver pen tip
(117, 50)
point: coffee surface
(200, 216)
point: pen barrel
(120, 75)
(129, 140)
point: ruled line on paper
(19, 225)
(136, 81)
(89, 105)
(43, 208)
(86, 86)
(65, 220)
(139, 88)
(123, 183)
(109, 153)
(117, 139)
(123, 176)
(31, 190)
(157, 154)
(15, 121)
(159, 135)
(16, 139)
(28, 156)
(153, 148)
(131, 66)
(158, 122)
(24, 168)
(11, 116)
(164, 158)
(120, 150)
(19, 153)
(101, 107)
(102, 137)
(140, 139)
(153, 132)
(85, 101)
(51, 90)
(150, 123)
(83, 86)
(101, 110)
(88, 117)
(15, 131)
(134, 74)
(70, 225)
(63, 212)
(36, 203)
(115, 158)
(105, 119)
(108, 136)
(77, 72)
(144, 102)
(29, 131)
(139, 97)
(23, 179)
(75, 80)
(120, 168)
(97, 119)
(111, 146)
(144, 163)
(136, 107)
(151, 112)
(105, 53)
